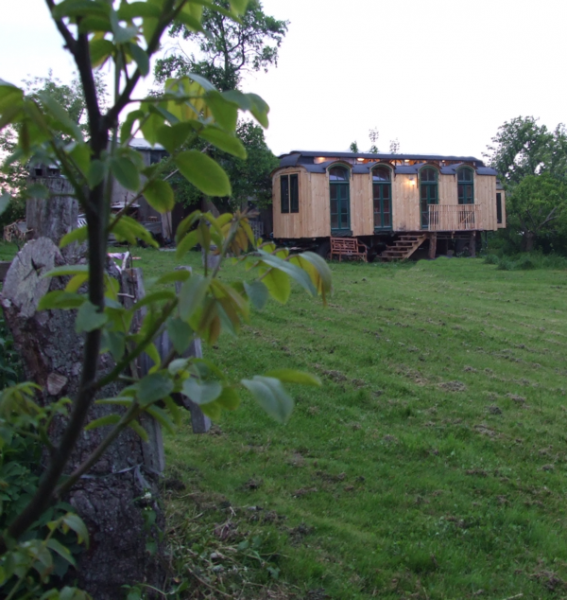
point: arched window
(428, 193)
(465, 182)
(340, 200)
(382, 197)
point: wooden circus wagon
(395, 204)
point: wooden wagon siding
(313, 220)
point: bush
(491, 259)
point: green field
(430, 464)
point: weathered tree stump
(110, 498)
(55, 217)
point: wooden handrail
(454, 217)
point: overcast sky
(441, 76)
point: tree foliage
(531, 161)
(250, 177)
(227, 48)
(522, 147)
(537, 210)
(70, 97)
(191, 110)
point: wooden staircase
(403, 247)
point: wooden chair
(349, 247)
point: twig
(212, 588)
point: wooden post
(200, 422)
(472, 245)
(432, 246)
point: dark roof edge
(424, 157)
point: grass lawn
(431, 464)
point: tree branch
(65, 33)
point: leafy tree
(354, 147)
(190, 110)
(71, 98)
(250, 176)
(394, 146)
(537, 209)
(522, 147)
(532, 163)
(227, 47)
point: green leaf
(180, 334)
(154, 387)
(141, 58)
(212, 410)
(161, 417)
(76, 235)
(160, 195)
(81, 155)
(257, 293)
(127, 12)
(317, 269)
(60, 115)
(128, 229)
(228, 399)
(97, 172)
(139, 429)
(190, 16)
(60, 300)
(172, 276)
(204, 173)
(75, 523)
(239, 6)
(271, 396)
(171, 137)
(192, 295)
(66, 270)
(201, 393)
(224, 141)
(278, 285)
(10, 95)
(125, 172)
(292, 376)
(126, 129)
(89, 318)
(100, 50)
(121, 34)
(58, 547)
(5, 200)
(115, 342)
(225, 112)
(187, 243)
(103, 422)
(151, 125)
(290, 269)
(76, 282)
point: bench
(349, 247)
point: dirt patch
(453, 386)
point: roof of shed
(305, 159)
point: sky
(440, 76)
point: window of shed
(289, 186)
(465, 182)
(381, 174)
(338, 174)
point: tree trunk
(529, 241)
(113, 497)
